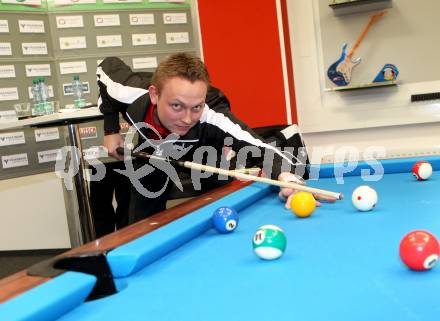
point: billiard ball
(303, 204)
(364, 198)
(225, 219)
(419, 250)
(422, 170)
(269, 242)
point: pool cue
(231, 173)
(247, 170)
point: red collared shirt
(149, 119)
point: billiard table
(339, 264)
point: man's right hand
(113, 141)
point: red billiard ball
(419, 250)
(422, 170)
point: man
(176, 99)
(106, 216)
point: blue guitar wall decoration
(340, 71)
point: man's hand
(286, 194)
(113, 141)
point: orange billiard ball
(303, 204)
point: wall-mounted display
(59, 40)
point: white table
(70, 118)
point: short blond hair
(184, 65)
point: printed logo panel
(9, 139)
(69, 43)
(144, 63)
(177, 37)
(142, 39)
(37, 70)
(51, 155)
(34, 48)
(7, 71)
(4, 26)
(174, 18)
(106, 20)
(67, 88)
(46, 134)
(16, 160)
(31, 26)
(88, 132)
(141, 19)
(5, 49)
(10, 93)
(73, 67)
(64, 22)
(109, 41)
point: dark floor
(14, 261)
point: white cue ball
(364, 198)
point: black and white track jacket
(123, 91)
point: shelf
(364, 86)
(342, 7)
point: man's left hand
(286, 194)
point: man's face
(180, 104)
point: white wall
(33, 213)
(364, 117)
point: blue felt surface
(387, 166)
(339, 264)
(50, 300)
(134, 255)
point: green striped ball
(269, 242)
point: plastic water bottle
(47, 107)
(77, 91)
(36, 97)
